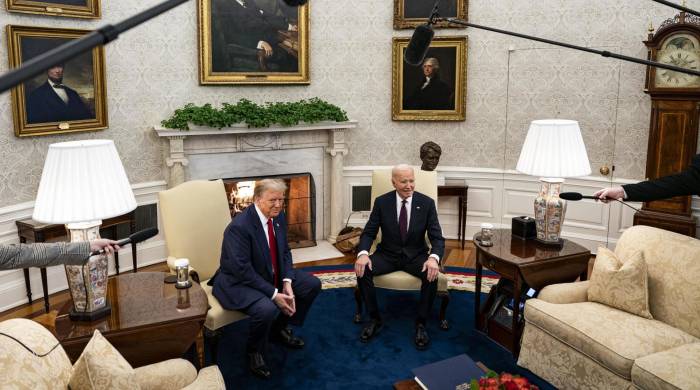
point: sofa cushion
(676, 368)
(611, 337)
(101, 366)
(622, 286)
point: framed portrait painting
(70, 8)
(411, 13)
(434, 91)
(67, 97)
(253, 42)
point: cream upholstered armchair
(32, 358)
(194, 216)
(426, 183)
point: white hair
(399, 168)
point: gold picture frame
(89, 9)
(411, 13)
(234, 47)
(65, 100)
(443, 98)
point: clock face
(681, 50)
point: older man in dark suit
(404, 217)
(256, 274)
(55, 102)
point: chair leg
(358, 313)
(212, 338)
(445, 295)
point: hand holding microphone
(106, 246)
(103, 245)
(574, 196)
(606, 194)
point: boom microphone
(577, 196)
(137, 237)
(420, 40)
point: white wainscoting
(12, 289)
(496, 196)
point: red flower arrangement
(505, 381)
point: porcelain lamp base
(549, 212)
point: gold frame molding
(19, 110)
(397, 94)
(90, 11)
(402, 22)
(207, 76)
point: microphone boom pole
(603, 53)
(76, 47)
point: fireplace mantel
(208, 144)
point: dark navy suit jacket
(683, 183)
(44, 105)
(424, 219)
(245, 274)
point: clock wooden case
(675, 110)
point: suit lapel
(393, 212)
(416, 212)
(261, 238)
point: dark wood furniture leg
(132, 229)
(28, 285)
(517, 329)
(45, 287)
(463, 215)
(477, 291)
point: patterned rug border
(459, 278)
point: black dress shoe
(288, 339)
(422, 339)
(371, 330)
(257, 365)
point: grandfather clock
(675, 110)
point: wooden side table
(461, 192)
(526, 263)
(31, 231)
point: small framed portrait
(411, 13)
(69, 8)
(434, 91)
(253, 42)
(67, 97)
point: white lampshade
(554, 148)
(83, 181)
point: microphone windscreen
(295, 3)
(418, 45)
(571, 196)
(143, 235)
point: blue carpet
(334, 358)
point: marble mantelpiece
(239, 151)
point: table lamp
(82, 183)
(553, 150)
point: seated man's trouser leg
(382, 264)
(264, 312)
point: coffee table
(150, 321)
(527, 263)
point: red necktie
(273, 250)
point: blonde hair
(276, 185)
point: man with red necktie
(404, 216)
(256, 275)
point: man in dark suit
(680, 184)
(245, 36)
(432, 93)
(257, 278)
(404, 217)
(55, 102)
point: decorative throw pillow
(622, 286)
(101, 366)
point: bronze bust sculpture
(430, 155)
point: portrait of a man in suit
(253, 36)
(431, 92)
(53, 101)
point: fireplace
(299, 204)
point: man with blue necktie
(404, 217)
(256, 275)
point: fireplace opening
(299, 204)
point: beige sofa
(32, 358)
(575, 344)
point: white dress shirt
(59, 91)
(263, 220)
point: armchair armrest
(565, 292)
(166, 375)
(209, 378)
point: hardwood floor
(454, 256)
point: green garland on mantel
(255, 115)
